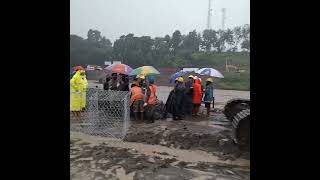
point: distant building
(107, 63)
(90, 67)
(98, 68)
(116, 62)
(190, 69)
(93, 67)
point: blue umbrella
(176, 75)
(210, 72)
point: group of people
(116, 83)
(143, 97)
(142, 93)
(186, 97)
(184, 100)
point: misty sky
(154, 18)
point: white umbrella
(210, 72)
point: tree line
(168, 51)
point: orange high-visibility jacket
(136, 93)
(153, 98)
(197, 92)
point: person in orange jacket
(151, 100)
(137, 100)
(197, 96)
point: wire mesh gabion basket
(106, 114)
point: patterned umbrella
(209, 72)
(119, 68)
(145, 70)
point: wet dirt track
(190, 149)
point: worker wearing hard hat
(197, 96)
(141, 77)
(180, 79)
(78, 86)
(144, 85)
(114, 82)
(188, 105)
(208, 95)
(137, 100)
(179, 91)
(190, 81)
(141, 80)
(151, 110)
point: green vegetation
(235, 81)
(207, 49)
(232, 80)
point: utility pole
(223, 18)
(209, 16)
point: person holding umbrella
(179, 91)
(114, 81)
(188, 106)
(169, 105)
(197, 96)
(123, 83)
(144, 85)
(106, 84)
(208, 95)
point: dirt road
(103, 158)
(191, 149)
(195, 149)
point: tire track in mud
(189, 135)
(93, 157)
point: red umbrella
(119, 68)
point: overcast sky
(154, 18)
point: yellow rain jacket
(78, 86)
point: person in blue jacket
(208, 95)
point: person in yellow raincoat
(78, 85)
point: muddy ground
(190, 149)
(103, 161)
(106, 158)
(212, 135)
(195, 148)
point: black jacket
(106, 85)
(123, 87)
(179, 94)
(170, 102)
